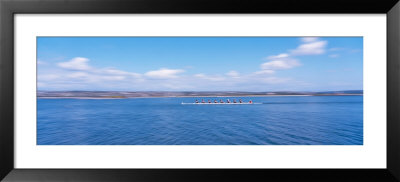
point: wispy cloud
(309, 39)
(113, 71)
(78, 63)
(82, 74)
(209, 77)
(164, 73)
(264, 72)
(233, 74)
(277, 62)
(280, 62)
(77, 73)
(288, 60)
(311, 46)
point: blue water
(286, 120)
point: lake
(279, 120)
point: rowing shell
(222, 103)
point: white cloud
(277, 62)
(78, 63)
(41, 62)
(279, 56)
(309, 39)
(113, 71)
(113, 78)
(267, 72)
(200, 75)
(164, 73)
(78, 75)
(210, 78)
(280, 62)
(310, 48)
(233, 74)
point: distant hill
(121, 94)
(343, 92)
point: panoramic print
(199, 91)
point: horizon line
(187, 91)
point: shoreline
(63, 97)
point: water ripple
(317, 120)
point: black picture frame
(10, 7)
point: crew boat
(215, 102)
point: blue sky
(200, 63)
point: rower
(209, 101)
(215, 101)
(202, 101)
(234, 100)
(197, 101)
(228, 101)
(250, 102)
(220, 100)
(240, 100)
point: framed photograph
(129, 90)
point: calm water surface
(286, 120)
